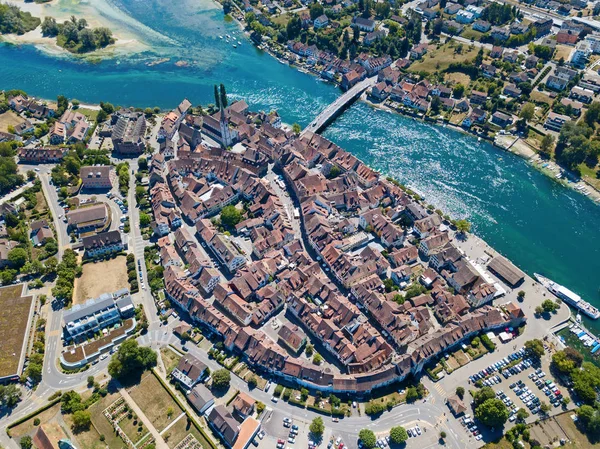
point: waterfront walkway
(342, 102)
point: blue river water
(539, 224)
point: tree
(492, 412)
(145, 219)
(223, 96)
(567, 361)
(296, 128)
(521, 295)
(398, 435)
(368, 438)
(252, 382)
(549, 306)
(317, 359)
(10, 395)
(527, 111)
(17, 257)
(522, 414)
(26, 442)
(230, 216)
(221, 379)
(411, 394)
(460, 392)
(316, 10)
(294, 27)
(592, 115)
(535, 348)
(143, 163)
(539, 310)
(131, 360)
(317, 427)
(483, 395)
(82, 420)
(458, 91)
(462, 226)
(544, 407)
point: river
(537, 223)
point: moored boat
(569, 297)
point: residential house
(97, 177)
(556, 121)
(189, 371)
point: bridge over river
(331, 112)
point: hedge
(178, 401)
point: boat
(234, 46)
(569, 297)
(220, 37)
(239, 43)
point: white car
(274, 399)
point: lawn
(439, 59)
(170, 358)
(9, 118)
(100, 277)
(281, 19)
(14, 322)
(91, 114)
(154, 400)
(101, 423)
(577, 439)
(590, 175)
(471, 34)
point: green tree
(535, 348)
(462, 226)
(460, 392)
(131, 360)
(317, 359)
(316, 10)
(368, 438)
(17, 257)
(221, 379)
(592, 115)
(296, 128)
(492, 413)
(317, 427)
(522, 414)
(82, 420)
(143, 163)
(10, 395)
(230, 216)
(411, 394)
(145, 219)
(294, 27)
(458, 91)
(223, 96)
(483, 395)
(549, 306)
(26, 442)
(527, 111)
(252, 382)
(398, 435)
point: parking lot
(521, 383)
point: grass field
(540, 97)
(170, 358)
(87, 439)
(9, 118)
(100, 277)
(441, 58)
(180, 430)
(14, 321)
(562, 51)
(154, 400)
(133, 428)
(457, 77)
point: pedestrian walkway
(173, 422)
(158, 440)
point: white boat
(569, 297)
(234, 46)
(239, 43)
(220, 37)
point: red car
(280, 442)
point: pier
(331, 112)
